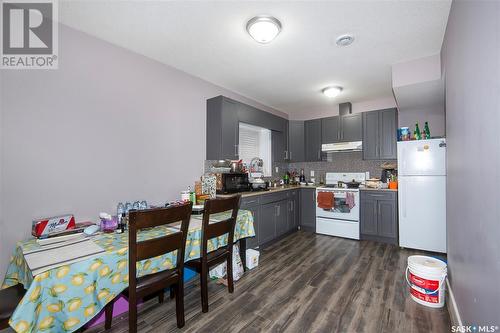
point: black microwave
(232, 183)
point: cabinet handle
(290, 155)
(279, 210)
(236, 150)
(319, 154)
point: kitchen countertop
(271, 190)
(378, 189)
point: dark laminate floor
(305, 283)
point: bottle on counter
(427, 130)
(302, 176)
(120, 212)
(286, 178)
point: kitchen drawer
(273, 197)
(250, 201)
(379, 195)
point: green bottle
(427, 130)
(418, 135)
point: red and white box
(44, 227)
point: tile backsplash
(335, 162)
(339, 162)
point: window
(255, 141)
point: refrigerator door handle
(403, 196)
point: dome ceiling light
(263, 28)
(332, 91)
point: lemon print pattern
(46, 324)
(89, 310)
(58, 289)
(35, 294)
(78, 279)
(65, 298)
(22, 326)
(55, 307)
(90, 288)
(105, 270)
(70, 324)
(95, 265)
(74, 304)
(115, 278)
(62, 272)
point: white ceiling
(208, 39)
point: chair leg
(179, 304)
(230, 282)
(172, 292)
(108, 315)
(132, 316)
(204, 287)
(161, 296)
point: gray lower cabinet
(293, 209)
(312, 135)
(253, 204)
(308, 209)
(379, 216)
(281, 218)
(296, 141)
(380, 134)
(267, 225)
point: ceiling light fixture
(344, 40)
(332, 91)
(263, 28)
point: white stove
(342, 219)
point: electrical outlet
(312, 173)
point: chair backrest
(149, 218)
(219, 228)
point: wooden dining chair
(155, 283)
(9, 299)
(211, 230)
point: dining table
(65, 298)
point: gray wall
(109, 125)
(471, 60)
(434, 115)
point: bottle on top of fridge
(418, 135)
(427, 130)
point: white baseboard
(455, 318)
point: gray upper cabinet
(330, 129)
(312, 134)
(342, 128)
(296, 141)
(223, 118)
(379, 134)
(379, 216)
(222, 128)
(351, 127)
(279, 151)
(370, 135)
(388, 134)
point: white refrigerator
(422, 194)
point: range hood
(342, 146)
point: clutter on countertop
(47, 226)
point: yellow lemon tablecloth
(65, 298)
